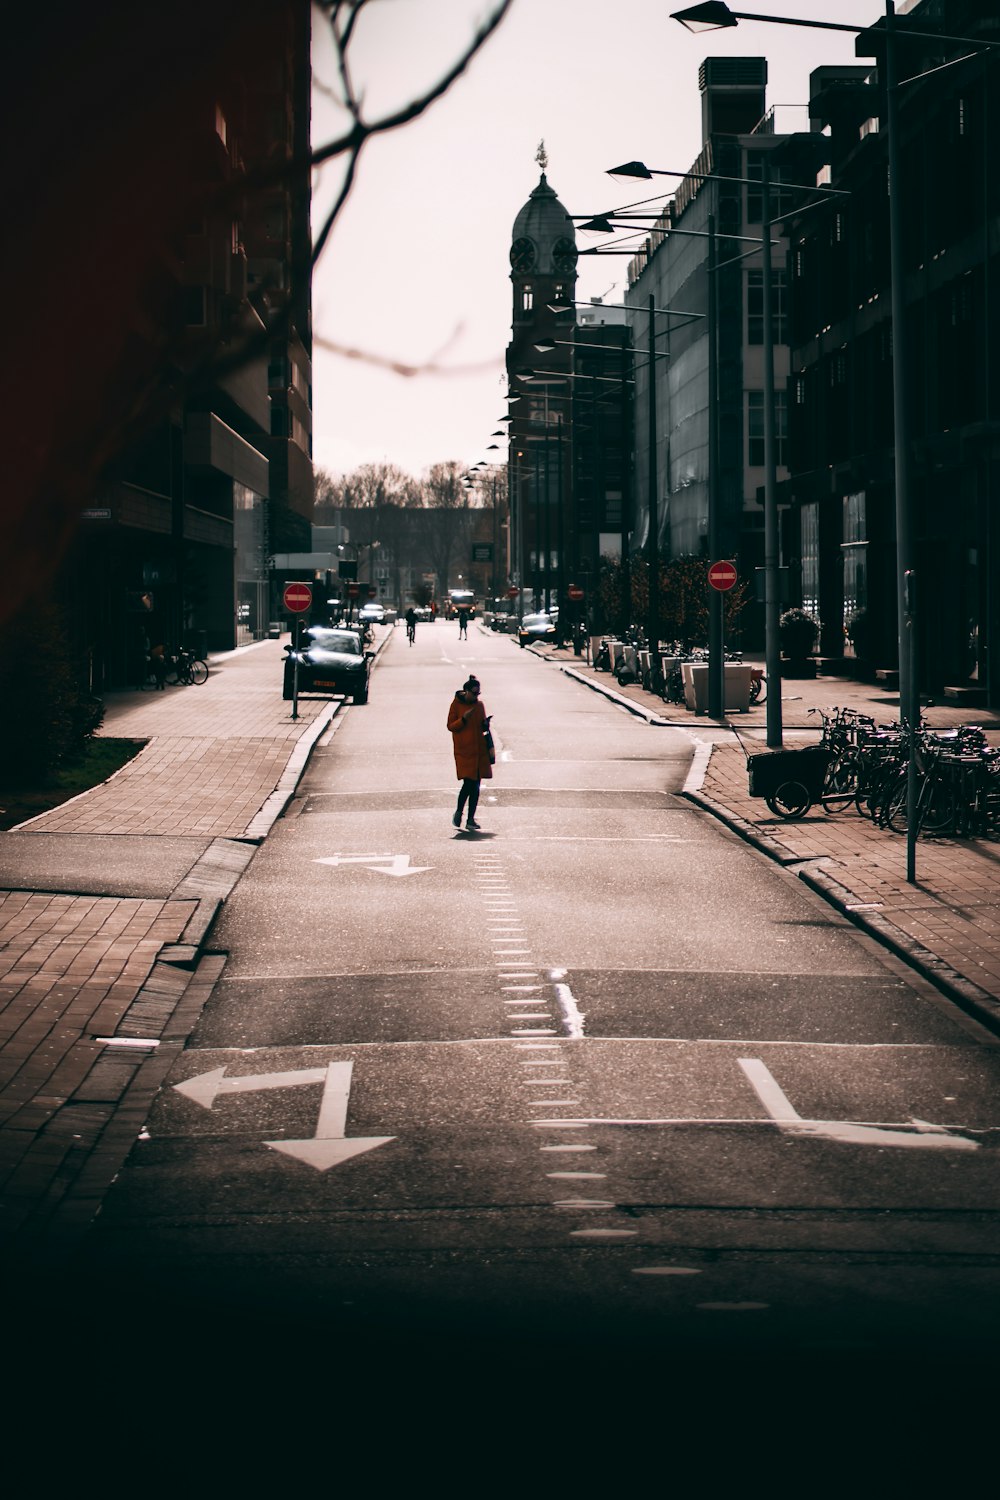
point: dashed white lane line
(568, 1146)
(579, 1176)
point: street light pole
(909, 700)
(653, 616)
(772, 649)
(716, 604)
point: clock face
(522, 254)
(564, 256)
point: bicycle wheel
(790, 800)
(197, 672)
(841, 783)
(758, 689)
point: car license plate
(321, 682)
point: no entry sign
(722, 576)
(297, 597)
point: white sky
(417, 267)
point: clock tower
(542, 261)
(543, 277)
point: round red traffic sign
(722, 576)
(297, 597)
(512, 593)
(353, 590)
(574, 592)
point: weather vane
(542, 156)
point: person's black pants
(468, 792)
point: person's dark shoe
(457, 820)
(473, 826)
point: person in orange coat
(468, 722)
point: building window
(809, 551)
(755, 306)
(854, 551)
(755, 427)
(527, 299)
(279, 426)
(855, 527)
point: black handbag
(490, 747)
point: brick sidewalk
(98, 993)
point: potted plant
(797, 632)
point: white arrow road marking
(384, 864)
(328, 1147)
(789, 1120)
(206, 1087)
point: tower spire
(541, 155)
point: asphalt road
(597, 1077)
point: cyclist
(411, 624)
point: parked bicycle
(186, 669)
(858, 762)
(174, 668)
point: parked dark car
(537, 628)
(330, 661)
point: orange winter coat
(472, 759)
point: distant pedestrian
(463, 624)
(411, 625)
(468, 722)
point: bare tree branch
(399, 367)
(361, 131)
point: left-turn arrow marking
(329, 1146)
(384, 864)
